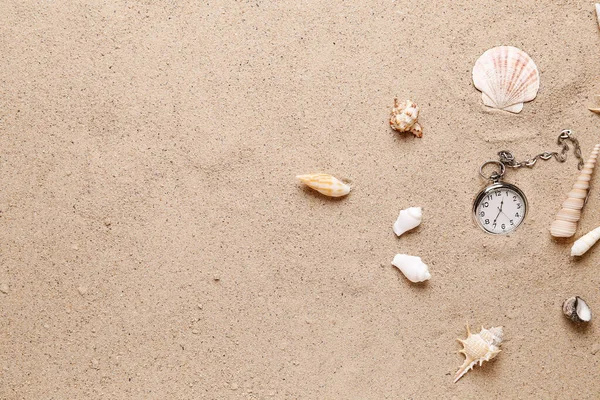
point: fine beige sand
(155, 244)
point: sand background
(156, 244)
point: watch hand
(499, 211)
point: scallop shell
(584, 243)
(407, 220)
(507, 77)
(404, 118)
(577, 310)
(325, 184)
(478, 348)
(412, 267)
(565, 223)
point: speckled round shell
(403, 118)
(507, 77)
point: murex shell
(479, 347)
(325, 184)
(507, 77)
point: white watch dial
(500, 210)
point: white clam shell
(408, 219)
(585, 242)
(412, 267)
(507, 77)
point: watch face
(500, 208)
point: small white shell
(407, 220)
(325, 184)
(585, 242)
(577, 310)
(412, 267)
(478, 348)
(404, 118)
(507, 77)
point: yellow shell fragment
(325, 184)
(478, 348)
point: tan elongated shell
(325, 184)
(478, 348)
(403, 118)
(565, 223)
(507, 77)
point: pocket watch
(501, 207)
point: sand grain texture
(156, 245)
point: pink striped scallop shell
(507, 77)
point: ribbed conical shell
(565, 223)
(507, 77)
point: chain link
(508, 159)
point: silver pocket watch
(501, 207)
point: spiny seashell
(325, 184)
(478, 348)
(577, 310)
(404, 118)
(412, 267)
(565, 223)
(507, 77)
(585, 242)
(407, 220)
(596, 108)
